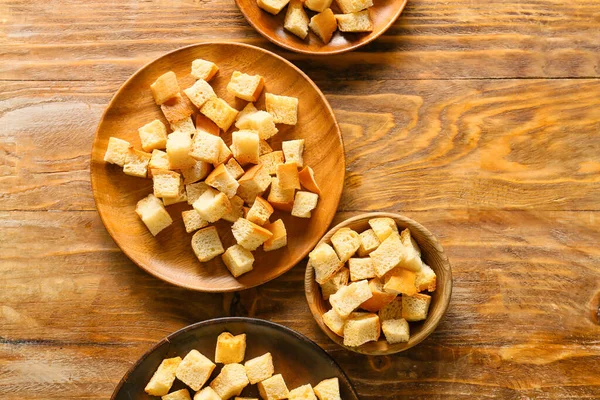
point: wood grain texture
(446, 118)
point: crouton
(194, 370)
(207, 394)
(180, 198)
(184, 125)
(264, 147)
(153, 213)
(181, 394)
(224, 154)
(158, 160)
(361, 268)
(136, 163)
(379, 299)
(193, 221)
(271, 160)
(234, 168)
(334, 321)
(255, 181)
(296, 20)
(230, 349)
(116, 152)
(261, 122)
(177, 108)
(236, 209)
(328, 389)
(231, 381)
(207, 244)
(361, 328)
(197, 172)
(325, 262)
(304, 392)
(179, 145)
(200, 93)
(293, 149)
(318, 5)
(411, 261)
(195, 190)
(249, 235)
(307, 179)
(284, 109)
(279, 238)
(304, 203)
(348, 298)
(221, 179)
(402, 282)
(273, 388)
(383, 227)
(288, 176)
(388, 255)
(206, 147)
(368, 242)
(272, 6)
(323, 25)
(392, 310)
(345, 242)
(280, 198)
(218, 111)
(166, 183)
(163, 378)
(425, 279)
(238, 260)
(415, 308)
(212, 205)
(355, 22)
(338, 280)
(247, 110)
(352, 6)
(260, 212)
(244, 86)
(245, 146)
(204, 124)
(202, 69)
(259, 368)
(409, 242)
(396, 330)
(165, 87)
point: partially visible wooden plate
(383, 13)
(296, 357)
(169, 256)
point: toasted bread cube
(426, 279)
(218, 111)
(260, 212)
(181, 394)
(383, 227)
(335, 322)
(271, 160)
(284, 109)
(177, 109)
(325, 262)
(199, 93)
(259, 121)
(280, 198)
(247, 110)
(207, 147)
(249, 235)
(279, 238)
(245, 398)
(225, 154)
(368, 242)
(255, 181)
(272, 6)
(202, 69)
(396, 330)
(230, 349)
(361, 268)
(415, 308)
(244, 86)
(195, 190)
(212, 205)
(264, 147)
(392, 310)
(193, 221)
(288, 176)
(361, 328)
(207, 394)
(273, 388)
(207, 244)
(388, 255)
(348, 298)
(196, 173)
(153, 213)
(184, 125)
(163, 378)
(293, 149)
(231, 381)
(402, 282)
(194, 370)
(236, 211)
(345, 242)
(355, 22)
(166, 183)
(411, 261)
(238, 260)
(380, 298)
(165, 87)
(304, 203)
(245, 146)
(260, 368)
(318, 5)
(204, 124)
(328, 389)
(180, 198)
(158, 160)
(304, 392)
(323, 25)
(222, 180)
(409, 242)
(234, 168)
(352, 6)
(179, 145)
(296, 20)
(338, 280)
(116, 152)
(307, 179)
(136, 163)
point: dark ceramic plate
(296, 357)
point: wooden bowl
(296, 357)
(384, 13)
(433, 255)
(169, 255)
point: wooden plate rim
(93, 168)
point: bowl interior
(169, 256)
(383, 14)
(432, 254)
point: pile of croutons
(386, 281)
(196, 369)
(193, 164)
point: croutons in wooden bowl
(321, 27)
(394, 291)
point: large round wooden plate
(169, 255)
(383, 14)
(296, 357)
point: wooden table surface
(479, 119)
